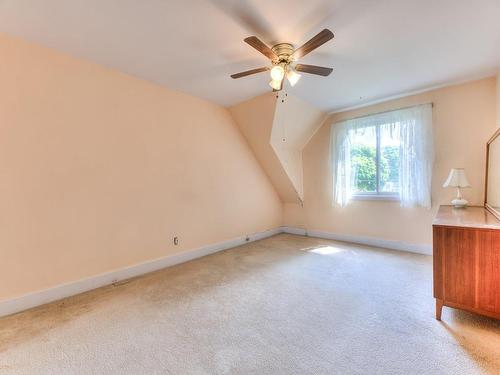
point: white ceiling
(381, 48)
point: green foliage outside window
(363, 159)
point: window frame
(376, 195)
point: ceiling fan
(283, 58)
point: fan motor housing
(284, 51)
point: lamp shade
(457, 178)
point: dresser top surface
(470, 217)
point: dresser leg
(439, 308)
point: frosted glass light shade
(276, 85)
(293, 77)
(277, 73)
(457, 178)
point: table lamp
(457, 179)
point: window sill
(376, 197)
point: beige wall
(498, 99)
(463, 118)
(99, 170)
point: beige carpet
(284, 305)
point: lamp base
(459, 203)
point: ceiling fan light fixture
(284, 56)
(293, 77)
(277, 73)
(275, 84)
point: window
(384, 156)
(374, 154)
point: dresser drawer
(488, 288)
(455, 261)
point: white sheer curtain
(413, 127)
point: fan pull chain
(283, 97)
(283, 129)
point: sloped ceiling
(294, 124)
(381, 48)
(255, 119)
(277, 129)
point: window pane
(389, 158)
(363, 160)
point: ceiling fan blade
(248, 15)
(249, 72)
(316, 41)
(261, 47)
(313, 69)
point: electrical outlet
(176, 241)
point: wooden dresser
(466, 244)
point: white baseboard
(42, 297)
(294, 230)
(363, 240)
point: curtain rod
(382, 112)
